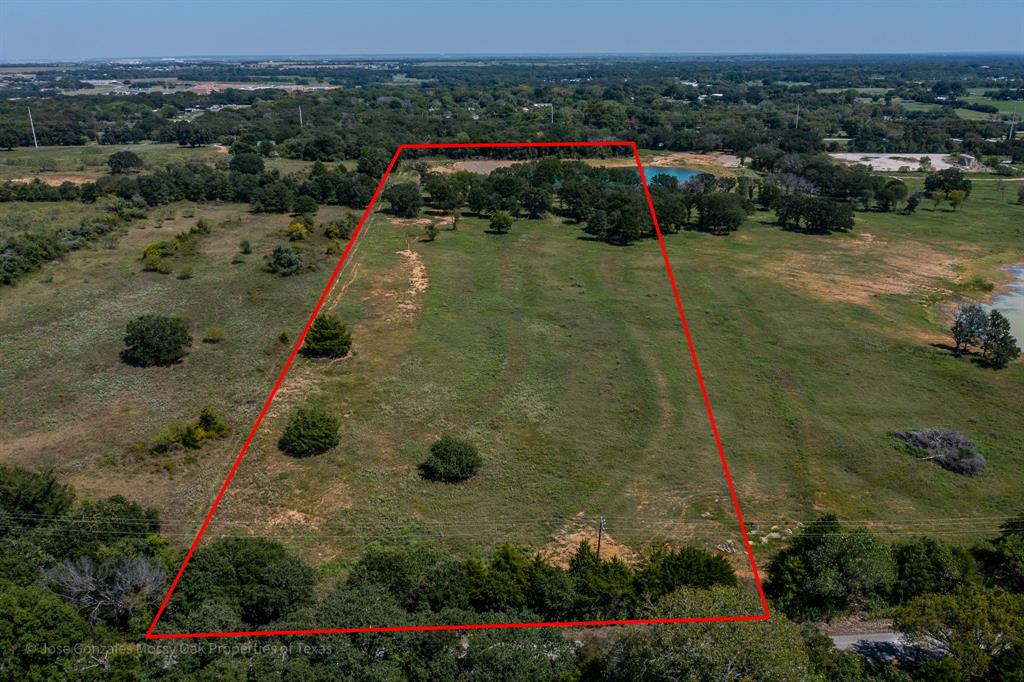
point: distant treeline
(669, 104)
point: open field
(86, 163)
(1004, 106)
(73, 406)
(561, 357)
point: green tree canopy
(829, 569)
(311, 430)
(124, 162)
(155, 340)
(327, 338)
(451, 460)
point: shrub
(190, 436)
(310, 431)
(341, 229)
(155, 340)
(451, 460)
(432, 231)
(123, 162)
(306, 205)
(283, 337)
(211, 423)
(296, 231)
(949, 449)
(285, 261)
(327, 338)
(501, 222)
(213, 335)
(245, 247)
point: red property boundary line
(298, 345)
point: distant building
(965, 161)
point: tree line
(80, 581)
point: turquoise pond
(680, 174)
(1011, 304)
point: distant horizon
(451, 56)
(66, 31)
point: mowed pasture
(562, 359)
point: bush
(213, 335)
(190, 436)
(327, 338)
(341, 229)
(155, 340)
(305, 205)
(259, 579)
(310, 431)
(501, 222)
(451, 460)
(285, 261)
(949, 449)
(123, 162)
(245, 247)
(296, 231)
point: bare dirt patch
(56, 180)
(483, 166)
(565, 542)
(898, 270)
(691, 159)
(894, 162)
(408, 301)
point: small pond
(680, 174)
(1011, 303)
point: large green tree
(258, 578)
(828, 570)
(974, 627)
(769, 651)
(155, 340)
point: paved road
(847, 642)
(882, 646)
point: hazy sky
(77, 29)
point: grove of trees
(84, 577)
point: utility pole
(600, 533)
(798, 115)
(300, 117)
(33, 126)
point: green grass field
(561, 358)
(88, 162)
(1004, 106)
(73, 406)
